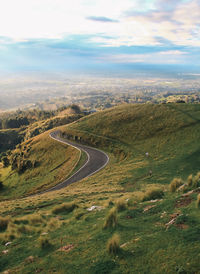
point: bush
(198, 201)
(113, 246)
(44, 243)
(175, 183)
(121, 205)
(111, 219)
(64, 208)
(152, 194)
(3, 223)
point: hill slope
(158, 230)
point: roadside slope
(51, 163)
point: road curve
(96, 160)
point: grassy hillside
(169, 133)
(53, 162)
(139, 225)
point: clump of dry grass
(3, 223)
(44, 243)
(198, 201)
(175, 183)
(79, 213)
(113, 245)
(35, 219)
(121, 205)
(64, 208)
(190, 180)
(152, 194)
(111, 219)
(196, 182)
(24, 229)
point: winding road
(96, 160)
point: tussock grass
(25, 229)
(44, 243)
(190, 180)
(64, 208)
(4, 223)
(79, 213)
(35, 219)
(53, 224)
(152, 194)
(121, 205)
(175, 183)
(111, 219)
(198, 201)
(113, 245)
(196, 182)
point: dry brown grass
(111, 219)
(113, 245)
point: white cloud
(27, 19)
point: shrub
(3, 223)
(121, 205)
(198, 201)
(44, 243)
(1, 185)
(64, 208)
(152, 194)
(175, 183)
(111, 219)
(113, 246)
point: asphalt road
(96, 160)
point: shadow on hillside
(184, 112)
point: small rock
(8, 243)
(44, 233)
(30, 259)
(5, 251)
(123, 245)
(163, 214)
(154, 201)
(94, 207)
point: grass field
(138, 226)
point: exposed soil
(183, 201)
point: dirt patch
(147, 208)
(183, 201)
(182, 226)
(66, 248)
(129, 217)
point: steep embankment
(36, 165)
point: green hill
(157, 229)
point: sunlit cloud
(48, 32)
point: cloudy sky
(95, 34)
